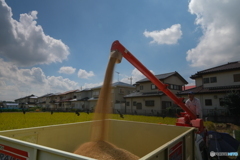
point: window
(95, 93)
(170, 86)
(205, 80)
(134, 103)
(141, 87)
(139, 105)
(236, 77)
(175, 87)
(213, 79)
(208, 102)
(121, 91)
(127, 103)
(210, 80)
(153, 86)
(166, 104)
(221, 102)
(149, 103)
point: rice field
(16, 120)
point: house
(65, 99)
(118, 91)
(9, 105)
(148, 98)
(81, 101)
(212, 85)
(54, 100)
(44, 101)
(28, 101)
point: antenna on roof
(130, 78)
(118, 75)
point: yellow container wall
(142, 139)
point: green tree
(232, 102)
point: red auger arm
(189, 119)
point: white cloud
(220, 23)
(25, 43)
(166, 36)
(136, 76)
(67, 70)
(84, 74)
(16, 82)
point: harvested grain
(103, 150)
(98, 148)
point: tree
(232, 102)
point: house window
(236, 77)
(149, 103)
(153, 86)
(127, 103)
(95, 93)
(121, 91)
(166, 104)
(213, 79)
(139, 106)
(208, 102)
(141, 87)
(221, 102)
(134, 103)
(205, 80)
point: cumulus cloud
(67, 70)
(17, 82)
(220, 23)
(25, 43)
(84, 74)
(166, 36)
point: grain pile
(98, 147)
(103, 150)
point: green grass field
(16, 120)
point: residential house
(9, 105)
(28, 101)
(118, 91)
(54, 100)
(148, 98)
(212, 85)
(65, 99)
(44, 101)
(81, 101)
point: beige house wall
(223, 79)
(215, 98)
(157, 103)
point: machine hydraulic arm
(118, 50)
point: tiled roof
(145, 94)
(224, 67)
(30, 96)
(69, 92)
(219, 89)
(164, 76)
(118, 84)
(46, 95)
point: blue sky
(59, 45)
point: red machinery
(186, 118)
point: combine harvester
(188, 140)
